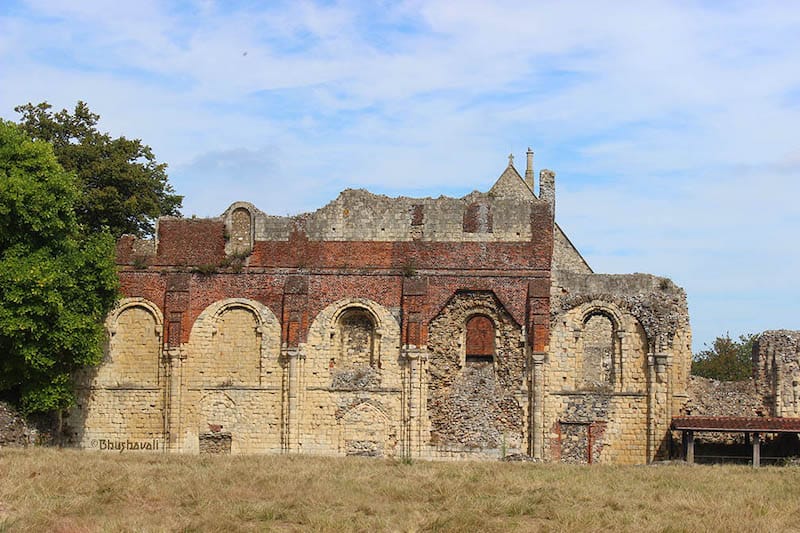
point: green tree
(57, 282)
(123, 187)
(727, 359)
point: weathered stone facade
(416, 327)
(776, 370)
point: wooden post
(756, 450)
(690, 446)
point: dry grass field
(71, 491)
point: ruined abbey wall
(435, 328)
(776, 365)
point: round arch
(326, 320)
(264, 316)
(128, 303)
(599, 307)
(323, 334)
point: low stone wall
(712, 397)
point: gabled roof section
(511, 185)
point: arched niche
(365, 430)
(599, 333)
(352, 344)
(233, 343)
(133, 358)
(240, 229)
(479, 344)
(475, 368)
(356, 339)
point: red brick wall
(298, 278)
(480, 336)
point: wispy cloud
(672, 125)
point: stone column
(537, 331)
(412, 421)
(174, 396)
(537, 409)
(659, 408)
(292, 418)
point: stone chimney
(529, 169)
(547, 187)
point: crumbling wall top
(657, 303)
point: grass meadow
(45, 489)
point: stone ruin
(440, 328)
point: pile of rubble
(14, 431)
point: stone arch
(356, 339)
(234, 342)
(365, 431)
(325, 333)
(240, 228)
(124, 397)
(134, 353)
(599, 307)
(599, 329)
(233, 377)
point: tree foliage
(57, 282)
(727, 359)
(123, 187)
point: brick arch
(479, 333)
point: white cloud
(671, 125)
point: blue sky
(672, 126)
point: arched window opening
(241, 237)
(480, 340)
(598, 351)
(356, 330)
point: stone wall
(441, 328)
(618, 367)
(711, 397)
(566, 257)
(475, 404)
(124, 398)
(776, 365)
